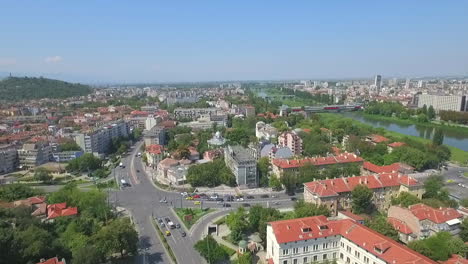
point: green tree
(35, 243)
(424, 109)
(245, 259)
(464, 202)
(118, 236)
(69, 146)
(438, 138)
(210, 174)
(440, 246)
(303, 209)
(289, 181)
(236, 221)
(13, 192)
(464, 230)
(362, 199)
(211, 250)
(275, 183)
(433, 186)
(263, 166)
(405, 199)
(42, 175)
(87, 255)
(380, 224)
(431, 112)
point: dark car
(183, 234)
(220, 200)
(293, 198)
(226, 205)
(138, 170)
(229, 198)
(250, 197)
(246, 205)
(167, 219)
(177, 225)
(264, 196)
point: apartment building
(156, 135)
(421, 221)
(99, 140)
(194, 113)
(280, 166)
(65, 156)
(34, 154)
(317, 239)
(292, 141)
(335, 194)
(243, 164)
(8, 159)
(265, 131)
(154, 155)
(443, 102)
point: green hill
(26, 88)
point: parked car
(168, 233)
(177, 225)
(246, 205)
(250, 197)
(183, 234)
(167, 219)
(197, 203)
(226, 205)
(264, 196)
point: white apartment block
(99, 140)
(443, 102)
(317, 239)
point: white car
(240, 199)
(184, 194)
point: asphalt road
(456, 183)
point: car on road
(163, 201)
(197, 203)
(264, 196)
(250, 197)
(168, 233)
(293, 198)
(274, 196)
(189, 198)
(177, 225)
(183, 234)
(226, 205)
(137, 170)
(184, 193)
(246, 205)
(167, 219)
(276, 203)
(196, 196)
(240, 199)
(160, 220)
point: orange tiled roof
(60, 209)
(333, 187)
(287, 231)
(52, 261)
(296, 163)
(400, 226)
(395, 167)
(378, 138)
(455, 259)
(155, 149)
(396, 144)
(440, 215)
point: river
(458, 139)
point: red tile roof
(378, 138)
(333, 187)
(52, 261)
(438, 216)
(36, 199)
(396, 144)
(296, 163)
(400, 226)
(352, 216)
(60, 209)
(139, 113)
(391, 251)
(395, 167)
(455, 259)
(155, 149)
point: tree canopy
(362, 199)
(210, 174)
(26, 88)
(440, 246)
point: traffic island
(190, 216)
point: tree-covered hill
(26, 88)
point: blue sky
(140, 41)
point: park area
(189, 216)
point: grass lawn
(228, 250)
(196, 212)
(465, 174)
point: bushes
(210, 174)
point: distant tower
(378, 82)
(420, 84)
(407, 83)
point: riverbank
(432, 124)
(458, 156)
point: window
(335, 244)
(357, 254)
(334, 255)
(342, 244)
(348, 260)
(294, 261)
(348, 249)
(285, 252)
(341, 256)
(315, 258)
(325, 245)
(366, 259)
(272, 250)
(305, 260)
(324, 256)
(315, 247)
(295, 250)
(305, 249)
(285, 262)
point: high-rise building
(378, 82)
(8, 159)
(407, 83)
(292, 141)
(420, 84)
(99, 140)
(34, 154)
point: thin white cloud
(53, 59)
(7, 62)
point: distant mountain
(26, 88)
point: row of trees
(454, 116)
(396, 109)
(93, 236)
(86, 163)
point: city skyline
(211, 41)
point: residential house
(54, 260)
(292, 141)
(154, 155)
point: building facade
(8, 159)
(34, 154)
(154, 155)
(99, 140)
(443, 102)
(335, 194)
(292, 141)
(318, 239)
(194, 113)
(156, 135)
(265, 131)
(243, 165)
(65, 156)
